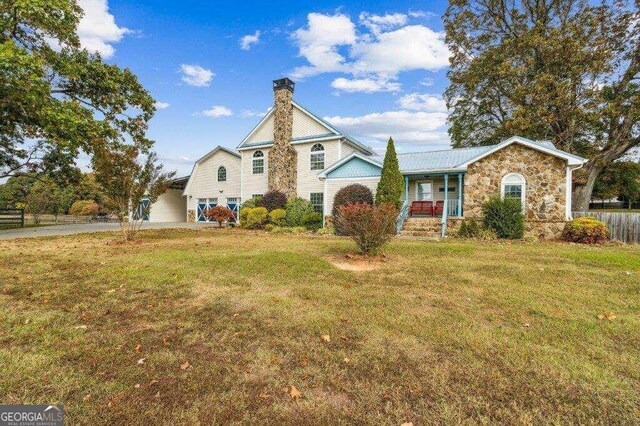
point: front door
(424, 191)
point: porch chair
(439, 208)
(421, 207)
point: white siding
(170, 207)
(204, 181)
(438, 182)
(308, 179)
(264, 133)
(303, 125)
(334, 185)
(254, 184)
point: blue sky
(373, 69)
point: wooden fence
(622, 226)
(11, 217)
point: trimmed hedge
(253, 218)
(278, 217)
(585, 230)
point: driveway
(83, 228)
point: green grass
(443, 332)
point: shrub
(312, 221)
(256, 218)
(504, 217)
(84, 208)
(391, 184)
(296, 209)
(242, 215)
(350, 194)
(273, 200)
(278, 217)
(586, 230)
(325, 231)
(220, 214)
(469, 228)
(251, 203)
(370, 227)
(269, 227)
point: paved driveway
(82, 228)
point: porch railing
(402, 216)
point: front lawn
(216, 326)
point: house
(295, 151)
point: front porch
(438, 196)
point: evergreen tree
(391, 182)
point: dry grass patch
(453, 332)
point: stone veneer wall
(545, 177)
(191, 216)
(282, 163)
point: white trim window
(514, 185)
(424, 190)
(222, 174)
(317, 201)
(316, 158)
(258, 163)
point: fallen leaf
(185, 365)
(80, 327)
(157, 395)
(110, 404)
(346, 360)
(407, 424)
(139, 348)
(295, 393)
(326, 338)
(137, 385)
(113, 290)
(86, 397)
(153, 382)
(526, 324)
(264, 395)
(141, 361)
(165, 341)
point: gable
(355, 167)
(207, 166)
(304, 127)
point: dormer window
(222, 174)
(317, 157)
(258, 163)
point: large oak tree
(57, 99)
(564, 70)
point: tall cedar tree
(564, 70)
(57, 99)
(391, 183)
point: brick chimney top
(283, 83)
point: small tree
(370, 227)
(350, 194)
(41, 198)
(296, 209)
(126, 180)
(391, 184)
(504, 216)
(273, 200)
(220, 214)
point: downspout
(445, 207)
(569, 192)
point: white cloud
(386, 47)
(251, 113)
(180, 159)
(427, 82)
(416, 127)
(195, 75)
(161, 105)
(319, 43)
(423, 102)
(378, 23)
(217, 111)
(248, 40)
(366, 85)
(97, 29)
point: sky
(373, 69)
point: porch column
(445, 207)
(459, 209)
(406, 189)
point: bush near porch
(452, 330)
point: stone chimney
(282, 159)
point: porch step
(422, 227)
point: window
(317, 201)
(258, 163)
(425, 191)
(317, 157)
(451, 189)
(254, 196)
(514, 186)
(222, 174)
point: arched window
(514, 186)
(258, 163)
(222, 174)
(317, 157)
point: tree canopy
(57, 99)
(564, 70)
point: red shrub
(369, 226)
(273, 200)
(350, 194)
(219, 213)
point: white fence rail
(622, 226)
